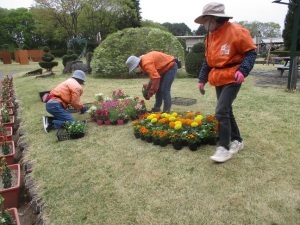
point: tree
(178, 29)
(65, 13)
(17, 28)
(288, 29)
(150, 23)
(201, 30)
(267, 30)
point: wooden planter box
(11, 123)
(10, 105)
(10, 157)
(11, 195)
(9, 133)
(14, 213)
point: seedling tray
(183, 101)
(62, 134)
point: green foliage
(150, 23)
(269, 29)
(5, 148)
(194, 59)
(288, 29)
(6, 174)
(5, 217)
(46, 49)
(69, 57)
(178, 29)
(110, 57)
(75, 127)
(47, 60)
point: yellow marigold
(194, 124)
(172, 118)
(178, 126)
(198, 120)
(175, 114)
(163, 115)
(150, 117)
(200, 117)
(154, 120)
(178, 121)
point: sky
(185, 11)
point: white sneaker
(45, 123)
(221, 155)
(236, 146)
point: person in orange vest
(64, 94)
(229, 58)
(162, 69)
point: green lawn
(109, 177)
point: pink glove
(239, 77)
(201, 88)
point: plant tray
(62, 134)
(183, 101)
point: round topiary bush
(110, 57)
(47, 59)
(194, 59)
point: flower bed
(187, 128)
(118, 107)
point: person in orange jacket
(162, 69)
(66, 93)
(229, 58)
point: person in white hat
(229, 58)
(162, 69)
(66, 93)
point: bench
(282, 68)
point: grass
(109, 177)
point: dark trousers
(163, 93)
(228, 128)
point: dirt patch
(265, 78)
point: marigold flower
(194, 124)
(172, 118)
(175, 114)
(178, 126)
(154, 120)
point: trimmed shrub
(47, 60)
(194, 59)
(110, 57)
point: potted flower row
(187, 129)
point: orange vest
(226, 48)
(156, 64)
(68, 92)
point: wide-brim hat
(132, 62)
(212, 9)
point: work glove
(239, 77)
(83, 110)
(201, 88)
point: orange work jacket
(156, 64)
(68, 92)
(225, 50)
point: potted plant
(76, 129)
(11, 178)
(91, 111)
(8, 216)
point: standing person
(162, 69)
(66, 93)
(229, 58)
